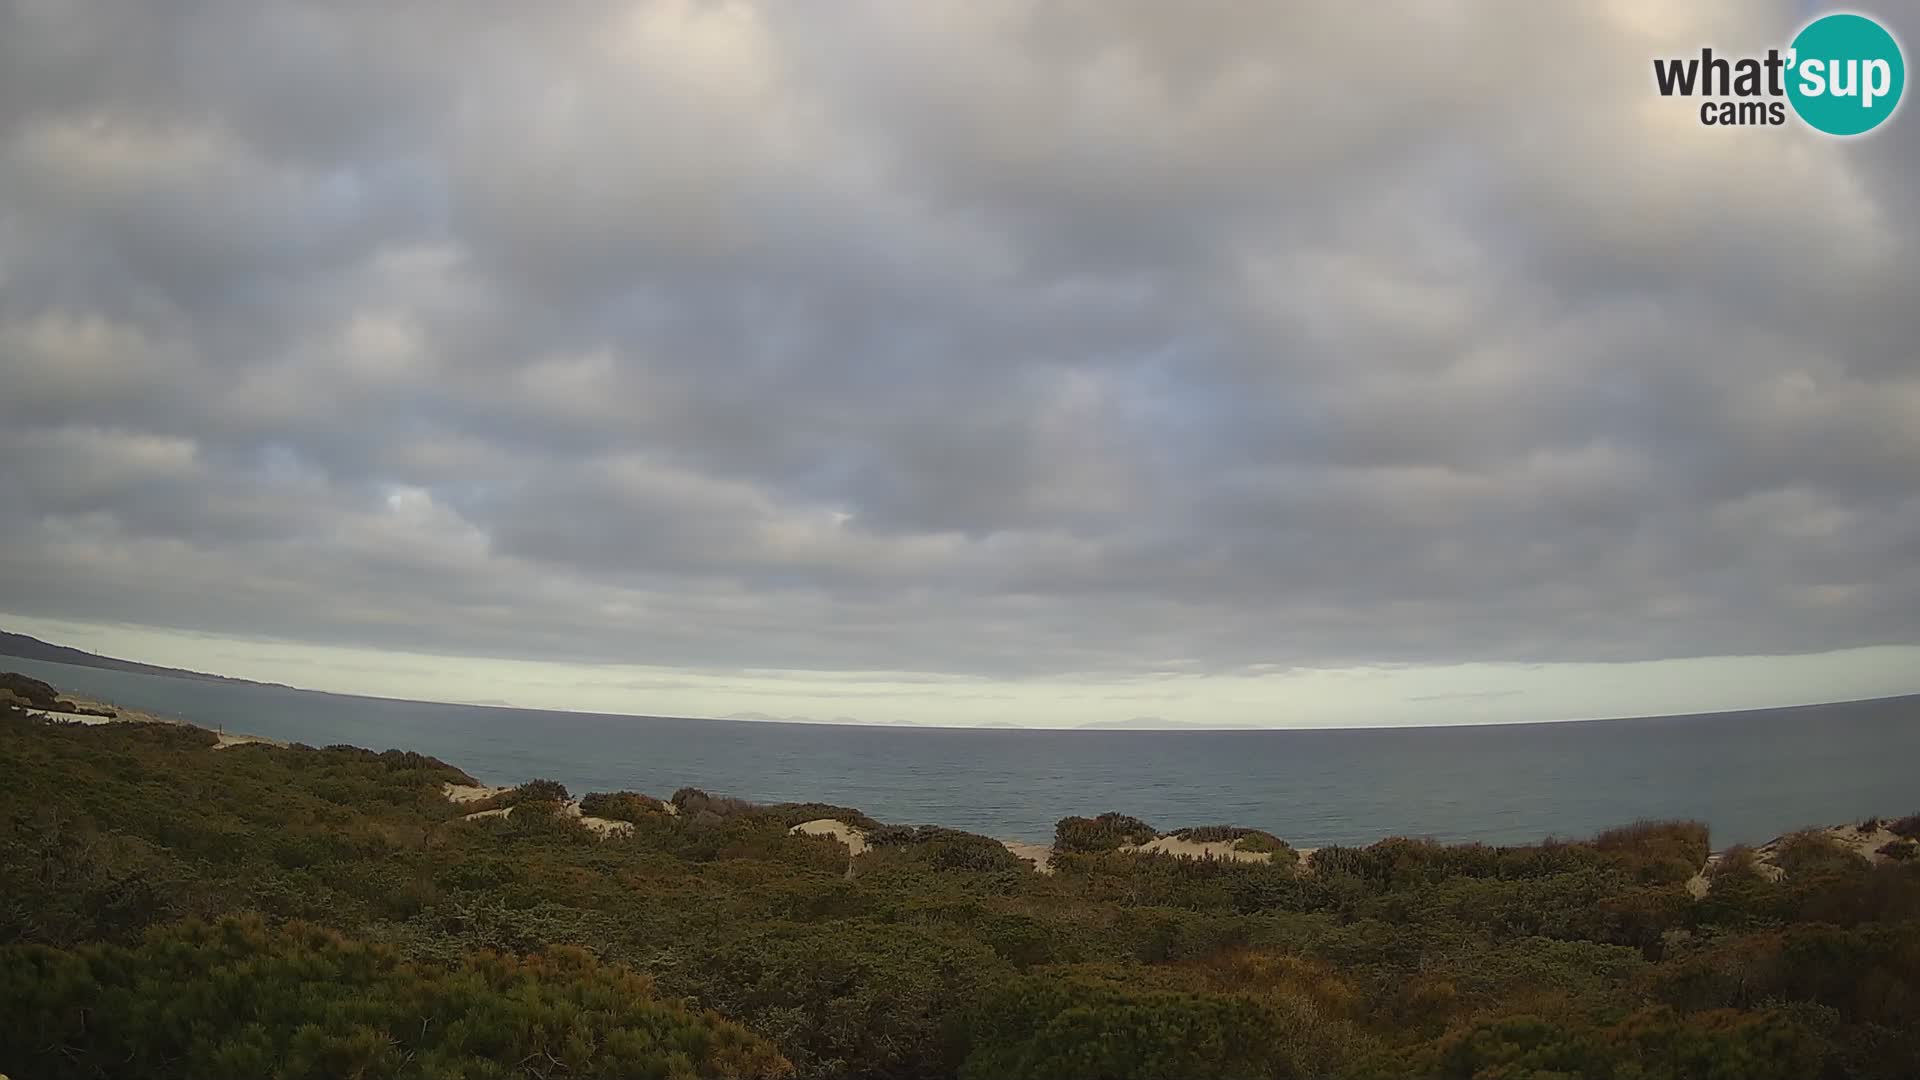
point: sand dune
(851, 835)
(466, 793)
(1040, 855)
(472, 793)
(224, 741)
(1192, 849)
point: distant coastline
(32, 648)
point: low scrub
(1814, 852)
(1104, 833)
(237, 999)
(622, 806)
(1899, 850)
(538, 791)
(1669, 850)
(945, 849)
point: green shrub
(1255, 840)
(622, 806)
(791, 814)
(694, 803)
(235, 999)
(1671, 851)
(1211, 834)
(539, 791)
(855, 998)
(1047, 1028)
(945, 849)
(1104, 833)
(1814, 852)
(1654, 1044)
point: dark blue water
(1750, 775)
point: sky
(997, 362)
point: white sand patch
(466, 793)
(1040, 855)
(75, 718)
(851, 835)
(1864, 843)
(1867, 844)
(605, 827)
(1190, 849)
(222, 740)
(601, 827)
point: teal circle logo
(1846, 74)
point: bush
(851, 999)
(1899, 850)
(1211, 834)
(1669, 851)
(1104, 833)
(539, 791)
(1654, 1044)
(1736, 861)
(946, 849)
(1908, 827)
(1255, 840)
(1814, 852)
(791, 814)
(235, 999)
(1049, 1028)
(694, 803)
(622, 806)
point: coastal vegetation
(172, 910)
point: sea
(1749, 775)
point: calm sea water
(1750, 775)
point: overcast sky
(955, 362)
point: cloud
(993, 340)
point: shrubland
(171, 910)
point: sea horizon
(1750, 774)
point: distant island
(32, 648)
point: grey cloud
(994, 339)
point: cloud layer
(991, 339)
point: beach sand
(122, 715)
(466, 793)
(1190, 849)
(1040, 855)
(471, 793)
(853, 836)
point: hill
(32, 648)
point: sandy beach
(123, 715)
